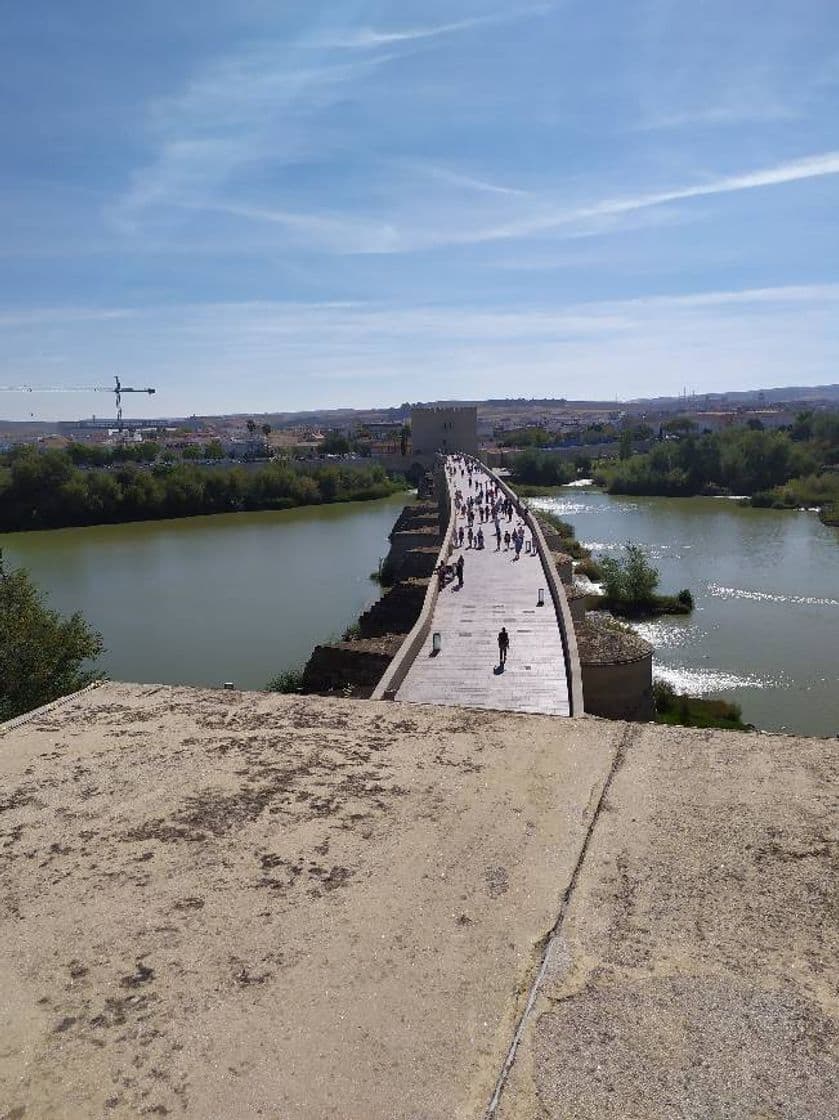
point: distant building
(445, 430)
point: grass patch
(681, 710)
(649, 608)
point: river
(235, 597)
(241, 597)
(765, 631)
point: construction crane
(118, 391)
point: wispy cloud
(724, 339)
(323, 231)
(368, 37)
(792, 171)
(467, 182)
(237, 111)
(350, 233)
(723, 115)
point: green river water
(241, 597)
(234, 597)
(765, 631)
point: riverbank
(776, 469)
(45, 490)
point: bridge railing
(573, 672)
(398, 669)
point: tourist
(507, 540)
(470, 535)
(459, 570)
(480, 538)
(503, 646)
(497, 537)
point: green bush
(630, 580)
(289, 681)
(41, 654)
(693, 711)
(555, 522)
(541, 468)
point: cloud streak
(792, 171)
(351, 233)
(367, 38)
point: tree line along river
(241, 597)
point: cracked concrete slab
(695, 972)
(220, 904)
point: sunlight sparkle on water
(703, 682)
(767, 597)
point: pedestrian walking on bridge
(503, 646)
(459, 570)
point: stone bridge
(523, 594)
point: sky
(265, 206)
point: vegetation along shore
(785, 469)
(49, 491)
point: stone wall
(445, 430)
(397, 610)
(617, 669)
(351, 669)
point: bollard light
(436, 641)
(541, 601)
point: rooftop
(225, 904)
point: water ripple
(667, 634)
(719, 592)
(702, 682)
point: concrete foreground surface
(218, 904)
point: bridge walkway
(497, 591)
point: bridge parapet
(573, 672)
(398, 669)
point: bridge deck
(497, 591)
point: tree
(631, 579)
(680, 425)
(625, 448)
(251, 426)
(41, 653)
(335, 444)
(266, 430)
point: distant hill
(520, 408)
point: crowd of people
(481, 504)
(480, 501)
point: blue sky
(269, 206)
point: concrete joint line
(507, 1067)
